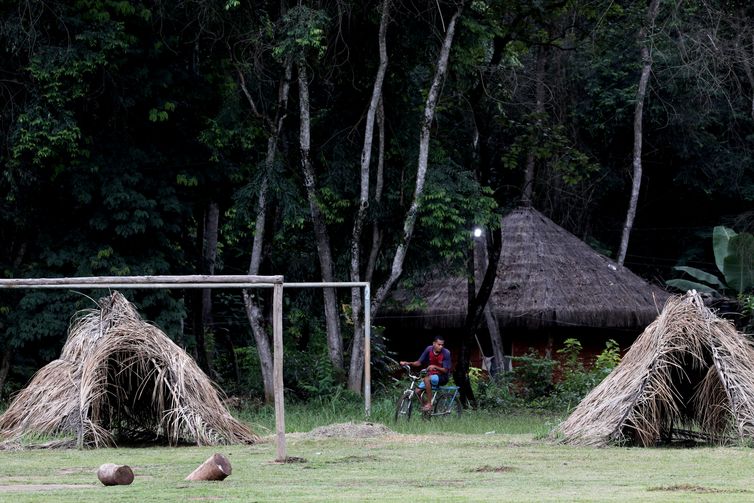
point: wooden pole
(277, 370)
(224, 281)
(367, 352)
(138, 280)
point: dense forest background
(350, 140)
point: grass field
(480, 457)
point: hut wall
(408, 343)
(551, 341)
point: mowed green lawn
(422, 461)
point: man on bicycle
(437, 359)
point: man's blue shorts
(434, 379)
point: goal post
(278, 285)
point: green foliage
(250, 370)
(161, 114)
(453, 203)
(530, 384)
(734, 258)
(317, 377)
(302, 34)
(332, 206)
(48, 129)
(746, 301)
(475, 377)
(548, 143)
(446, 224)
(576, 379)
(41, 318)
(609, 358)
(498, 392)
(533, 375)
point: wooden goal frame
(277, 283)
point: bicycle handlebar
(422, 372)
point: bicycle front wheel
(404, 406)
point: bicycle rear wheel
(403, 407)
(457, 406)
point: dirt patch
(355, 459)
(350, 430)
(692, 488)
(72, 471)
(290, 460)
(26, 488)
(492, 469)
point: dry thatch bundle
(120, 378)
(690, 374)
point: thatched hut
(550, 285)
(689, 375)
(120, 379)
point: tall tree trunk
(251, 302)
(539, 111)
(486, 161)
(496, 339)
(357, 366)
(476, 306)
(357, 307)
(202, 356)
(482, 258)
(334, 340)
(5, 367)
(378, 186)
(646, 58)
(212, 226)
(209, 256)
(750, 76)
(421, 172)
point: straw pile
(121, 379)
(689, 375)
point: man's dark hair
(438, 338)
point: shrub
(577, 381)
(533, 375)
(527, 384)
(530, 384)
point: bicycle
(445, 399)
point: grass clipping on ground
(120, 379)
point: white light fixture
(477, 232)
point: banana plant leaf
(703, 276)
(686, 285)
(738, 266)
(721, 236)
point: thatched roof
(546, 277)
(120, 378)
(688, 372)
